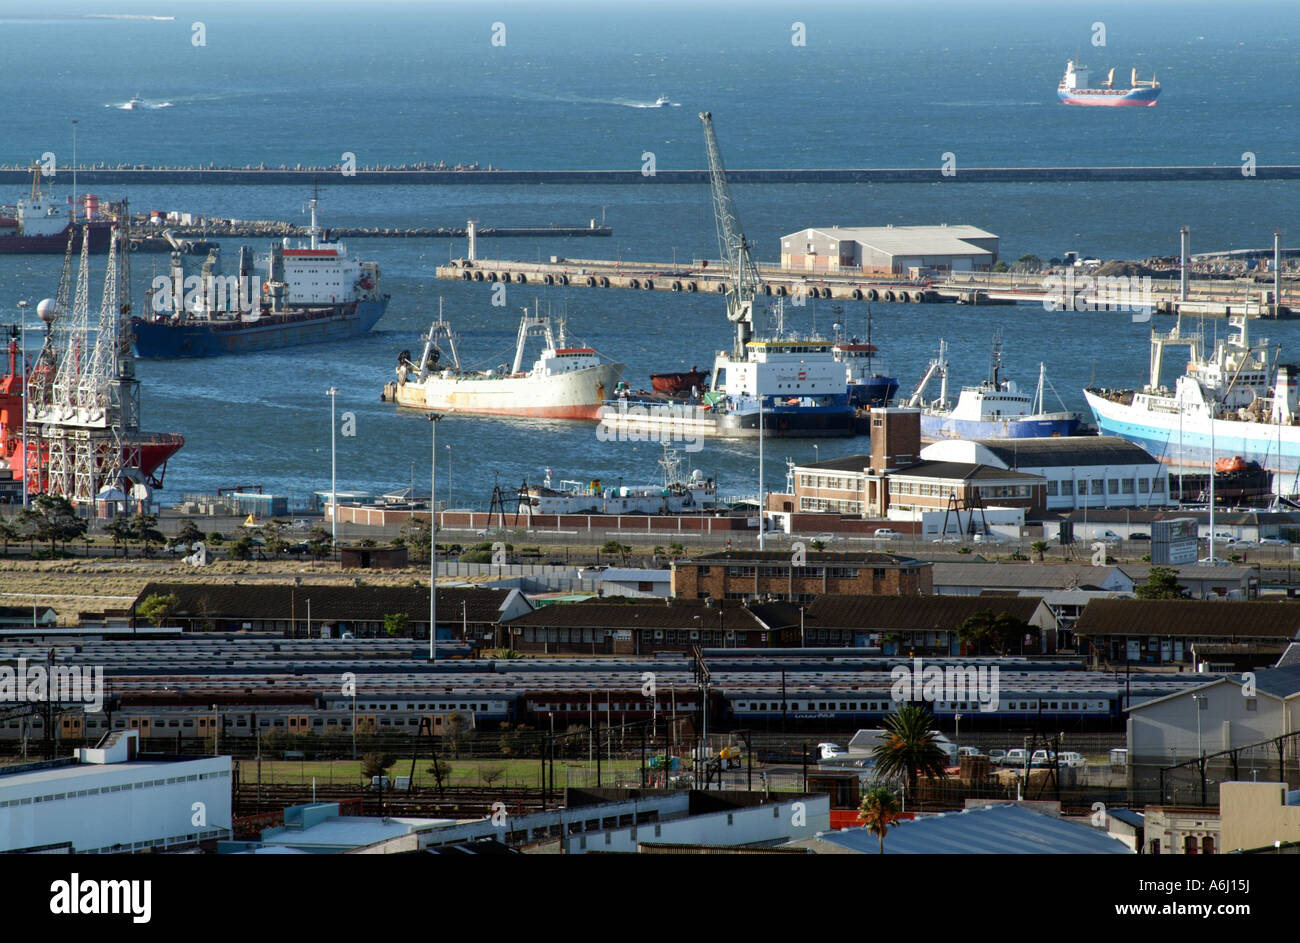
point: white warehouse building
(889, 250)
(107, 800)
(1081, 471)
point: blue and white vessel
(994, 409)
(1234, 403)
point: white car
(1212, 561)
(1273, 542)
(1073, 760)
(886, 533)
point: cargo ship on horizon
(1073, 89)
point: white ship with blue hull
(996, 409)
(1232, 403)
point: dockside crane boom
(742, 281)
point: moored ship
(867, 386)
(1234, 403)
(564, 382)
(308, 294)
(1073, 89)
(996, 409)
(41, 225)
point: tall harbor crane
(743, 281)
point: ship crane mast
(742, 279)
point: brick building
(743, 574)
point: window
(1052, 488)
(1067, 489)
(1127, 486)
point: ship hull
(574, 395)
(57, 243)
(1131, 98)
(160, 340)
(665, 421)
(872, 391)
(1276, 448)
(935, 428)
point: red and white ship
(564, 383)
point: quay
(1205, 297)
(245, 176)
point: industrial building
(110, 799)
(890, 250)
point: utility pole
(334, 495)
(433, 536)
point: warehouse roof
(909, 240)
(811, 557)
(1025, 575)
(847, 463)
(961, 471)
(1190, 617)
(1062, 451)
(905, 613)
(638, 614)
(991, 830)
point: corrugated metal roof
(962, 471)
(910, 613)
(1181, 618)
(1021, 575)
(992, 830)
(1048, 452)
(910, 240)
(629, 574)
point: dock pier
(1206, 298)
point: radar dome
(46, 310)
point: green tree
(52, 518)
(1029, 263)
(188, 533)
(158, 608)
(9, 532)
(319, 543)
(879, 812)
(376, 764)
(440, 770)
(999, 266)
(216, 537)
(999, 632)
(418, 533)
(273, 534)
(120, 529)
(490, 774)
(145, 529)
(1162, 583)
(242, 549)
(396, 624)
(1039, 547)
(909, 748)
(455, 732)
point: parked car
(1042, 758)
(1139, 536)
(1074, 760)
(1016, 757)
(968, 751)
(1107, 536)
(1273, 542)
(886, 533)
(1212, 561)
(996, 757)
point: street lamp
(1200, 706)
(334, 503)
(448, 448)
(433, 536)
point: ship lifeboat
(1236, 463)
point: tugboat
(680, 384)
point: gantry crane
(742, 282)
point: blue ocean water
(297, 83)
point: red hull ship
(679, 384)
(155, 449)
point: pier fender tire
(604, 281)
(548, 279)
(767, 289)
(564, 279)
(781, 291)
(506, 277)
(721, 289)
(492, 276)
(918, 296)
(649, 284)
(467, 276)
(135, 245)
(521, 278)
(591, 281)
(478, 276)
(873, 295)
(634, 283)
(692, 287)
(857, 294)
(676, 286)
(889, 295)
(904, 296)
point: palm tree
(909, 748)
(879, 812)
(1039, 547)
